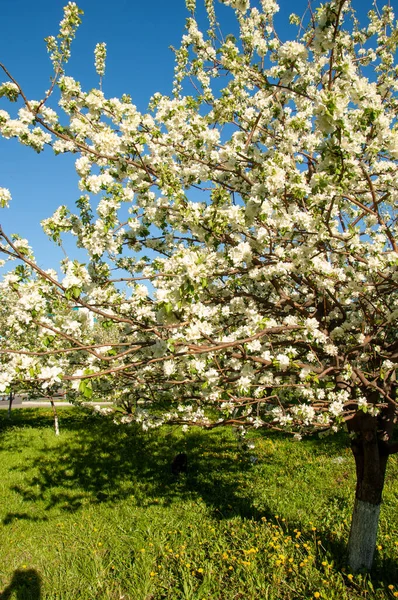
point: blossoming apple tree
(254, 281)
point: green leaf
(168, 308)
(88, 392)
(76, 291)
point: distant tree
(262, 202)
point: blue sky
(139, 62)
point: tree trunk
(56, 422)
(10, 399)
(371, 454)
(363, 534)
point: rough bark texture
(371, 454)
(363, 534)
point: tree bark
(363, 535)
(371, 455)
(10, 400)
(56, 421)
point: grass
(97, 514)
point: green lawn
(97, 514)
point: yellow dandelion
(200, 570)
(390, 587)
(317, 595)
(350, 576)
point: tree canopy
(259, 252)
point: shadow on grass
(102, 462)
(25, 585)
(11, 517)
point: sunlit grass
(97, 514)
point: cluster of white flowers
(100, 58)
(76, 275)
(10, 90)
(5, 197)
(50, 376)
(292, 51)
